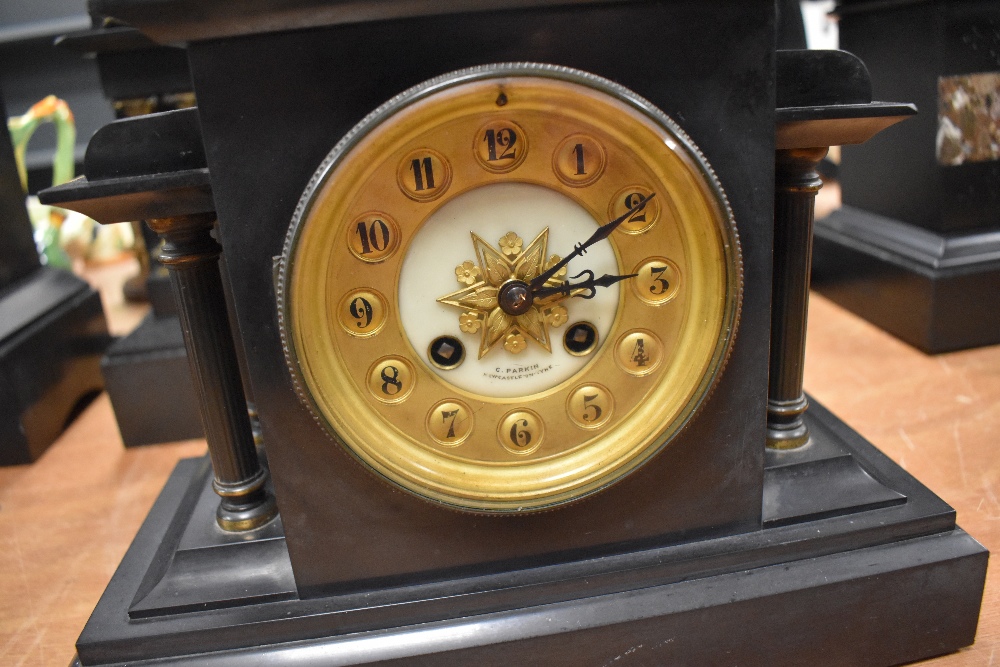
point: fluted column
(192, 257)
(796, 185)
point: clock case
(348, 530)
(713, 549)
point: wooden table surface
(66, 520)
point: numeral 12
(506, 138)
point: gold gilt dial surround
(661, 339)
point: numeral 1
(579, 160)
(578, 151)
(491, 145)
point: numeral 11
(422, 169)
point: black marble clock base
(927, 289)
(876, 573)
(148, 379)
(52, 335)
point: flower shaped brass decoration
(493, 269)
(511, 245)
(468, 273)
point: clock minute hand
(590, 284)
(602, 233)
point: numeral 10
(375, 235)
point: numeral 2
(634, 199)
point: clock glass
(509, 287)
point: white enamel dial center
(444, 242)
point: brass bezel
(657, 406)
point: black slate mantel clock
(521, 291)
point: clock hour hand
(591, 284)
(602, 233)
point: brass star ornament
(491, 270)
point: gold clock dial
(430, 320)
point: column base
(785, 426)
(249, 516)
